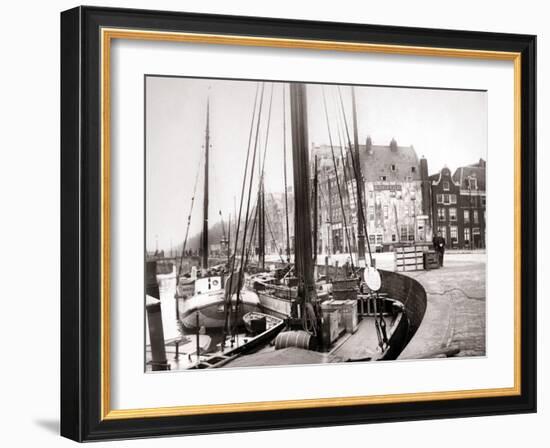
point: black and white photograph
(295, 223)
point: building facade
(458, 205)
(396, 196)
(472, 204)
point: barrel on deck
(298, 339)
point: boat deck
(286, 356)
(359, 346)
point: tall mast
(204, 244)
(315, 211)
(359, 185)
(285, 178)
(229, 241)
(260, 213)
(262, 226)
(302, 207)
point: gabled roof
(476, 170)
(435, 179)
(393, 161)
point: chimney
(423, 168)
(369, 145)
(425, 186)
(393, 145)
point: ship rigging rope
(232, 270)
(256, 208)
(337, 178)
(273, 237)
(345, 168)
(356, 171)
(223, 225)
(252, 235)
(189, 218)
(309, 319)
(266, 138)
(246, 216)
(278, 213)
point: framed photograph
(271, 224)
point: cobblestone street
(455, 316)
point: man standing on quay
(439, 247)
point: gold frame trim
(107, 35)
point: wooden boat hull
(209, 310)
(412, 296)
(216, 360)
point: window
(454, 234)
(411, 233)
(452, 198)
(404, 232)
(452, 214)
(439, 199)
(413, 169)
(476, 217)
(379, 239)
(466, 217)
(466, 236)
(407, 232)
(394, 237)
(443, 231)
(392, 167)
(482, 199)
(446, 199)
(385, 212)
(371, 239)
(371, 213)
(406, 209)
(472, 183)
(446, 186)
(441, 214)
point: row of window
(442, 215)
(394, 168)
(446, 198)
(453, 230)
(385, 178)
(408, 210)
(406, 233)
(472, 184)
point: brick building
(458, 205)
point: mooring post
(198, 344)
(156, 335)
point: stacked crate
(345, 289)
(410, 257)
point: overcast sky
(447, 127)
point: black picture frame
(81, 224)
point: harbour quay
(454, 323)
